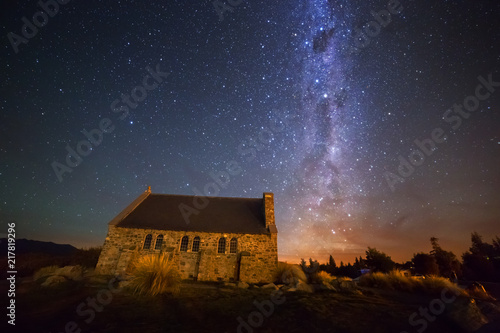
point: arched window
(159, 242)
(196, 244)
(222, 246)
(233, 245)
(184, 243)
(147, 242)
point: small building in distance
(208, 238)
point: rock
(74, 273)
(466, 314)
(229, 284)
(54, 280)
(270, 286)
(292, 289)
(302, 286)
(347, 285)
(490, 310)
(242, 285)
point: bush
(435, 284)
(323, 277)
(86, 257)
(375, 280)
(395, 280)
(400, 282)
(288, 273)
(155, 274)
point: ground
(216, 308)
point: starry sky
(322, 102)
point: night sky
(318, 102)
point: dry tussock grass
(154, 275)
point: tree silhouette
(425, 264)
(331, 262)
(378, 261)
(446, 260)
(482, 261)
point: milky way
(322, 194)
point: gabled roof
(162, 212)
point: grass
(481, 294)
(323, 277)
(288, 273)
(154, 275)
(44, 272)
(435, 285)
(395, 280)
(375, 280)
(400, 282)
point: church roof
(162, 212)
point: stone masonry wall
(257, 254)
(269, 208)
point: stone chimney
(269, 212)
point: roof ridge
(204, 196)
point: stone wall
(269, 208)
(255, 260)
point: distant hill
(34, 246)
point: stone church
(225, 239)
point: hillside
(24, 246)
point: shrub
(394, 280)
(435, 284)
(400, 282)
(323, 277)
(375, 280)
(288, 273)
(44, 272)
(155, 274)
(86, 257)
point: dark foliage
(482, 261)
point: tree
(482, 261)
(312, 268)
(348, 270)
(303, 265)
(330, 266)
(378, 261)
(496, 245)
(331, 262)
(481, 248)
(425, 264)
(356, 264)
(476, 267)
(446, 260)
